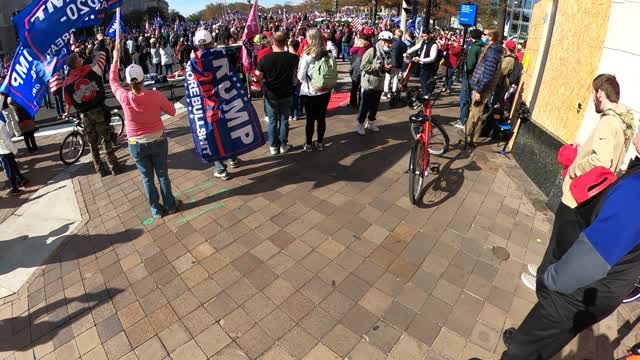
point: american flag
(356, 24)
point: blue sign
(224, 123)
(468, 13)
(111, 29)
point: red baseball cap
(567, 154)
(510, 44)
(591, 183)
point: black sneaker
(179, 204)
(507, 336)
(103, 172)
(634, 295)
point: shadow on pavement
(29, 330)
(347, 157)
(76, 247)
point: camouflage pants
(97, 131)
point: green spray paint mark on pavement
(148, 221)
(199, 213)
(201, 186)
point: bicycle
(73, 145)
(430, 138)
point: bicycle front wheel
(117, 123)
(72, 148)
(438, 140)
(416, 173)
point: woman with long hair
(315, 102)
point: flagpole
(118, 26)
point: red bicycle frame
(425, 134)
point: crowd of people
(297, 72)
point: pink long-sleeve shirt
(141, 112)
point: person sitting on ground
(148, 145)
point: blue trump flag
(224, 123)
(45, 25)
(111, 30)
(27, 80)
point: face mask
(386, 49)
(485, 41)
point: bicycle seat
(417, 118)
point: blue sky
(188, 7)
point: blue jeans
(465, 96)
(151, 158)
(450, 75)
(220, 167)
(265, 99)
(12, 170)
(295, 103)
(345, 52)
(278, 111)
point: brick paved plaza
(298, 256)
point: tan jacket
(606, 147)
(508, 64)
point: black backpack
(516, 74)
(356, 60)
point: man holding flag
(84, 89)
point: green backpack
(324, 75)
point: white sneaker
(290, 118)
(307, 148)
(533, 269)
(457, 124)
(371, 126)
(224, 175)
(529, 281)
(285, 148)
(266, 119)
(360, 129)
(274, 150)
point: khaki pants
(474, 124)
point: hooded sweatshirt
(606, 147)
(141, 112)
(372, 66)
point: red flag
(250, 31)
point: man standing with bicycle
(84, 89)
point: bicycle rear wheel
(416, 174)
(72, 148)
(438, 140)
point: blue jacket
(487, 72)
(397, 51)
(606, 255)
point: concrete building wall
(7, 32)
(620, 57)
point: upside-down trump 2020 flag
(224, 123)
(46, 25)
(27, 79)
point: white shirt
(131, 45)
(6, 145)
(423, 58)
(166, 55)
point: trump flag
(224, 123)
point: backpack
(324, 75)
(356, 60)
(516, 74)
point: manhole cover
(501, 253)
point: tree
(175, 15)
(195, 18)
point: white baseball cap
(134, 74)
(202, 37)
(385, 36)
